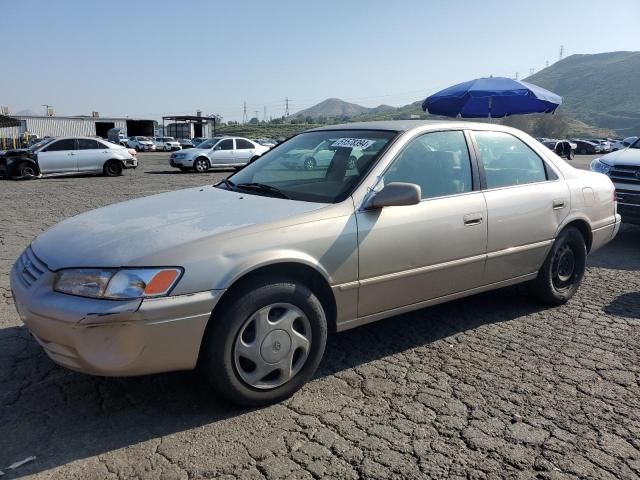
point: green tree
(254, 121)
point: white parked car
(141, 144)
(218, 152)
(69, 156)
(166, 144)
(615, 146)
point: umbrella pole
(490, 102)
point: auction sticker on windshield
(355, 143)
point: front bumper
(111, 337)
(181, 162)
(133, 163)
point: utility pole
(561, 56)
(531, 71)
(286, 111)
(244, 113)
(257, 112)
(264, 114)
(46, 110)
(517, 75)
(546, 64)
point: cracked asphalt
(492, 386)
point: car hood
(125, 233)
(196, 151)
(628, 156)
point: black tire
(309, 163)
(571, 154)
(26, 170)
(217, 355)
(254, 158)
(112, 168)
(137, 148)
(562, 272)
(201, 165)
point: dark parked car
(185, 143)
(563, 148)
(587, 148)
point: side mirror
(395, 194)
(217, 148)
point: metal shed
(56, 126)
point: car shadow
(61, 416)
(625, 305)
(623, 253)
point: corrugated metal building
(55, 126)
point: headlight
(599, 166)
(117, 284)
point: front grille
(29, 267)
(625, 174)
(628, 197)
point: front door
(59, 157)
(411, 254)
(526, 203)
(223, 153)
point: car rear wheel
(571, 154)
(201, 165)
(112, 168)
(562, 272)
(265, 342)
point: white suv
(141, 144)
(217, 152)
(166, 144)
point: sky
(151, 58)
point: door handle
(472, 219)
(72, 153)
(558, 204)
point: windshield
(322, 166)
(635, 144)
(39, 145)
(209, 143)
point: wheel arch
(12, 168)
(583, 227)
(296, 269)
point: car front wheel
(201, 165)
(265, 342)
(561, 274)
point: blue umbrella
(491, 97)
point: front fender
(13, 162)
(267, 258)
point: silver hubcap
(272, 345)
(200, 165)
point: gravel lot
(492, 386)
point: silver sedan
(246, 278)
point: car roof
(405, 125)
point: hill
(336, 108)
(598, 89)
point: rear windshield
(323, 166)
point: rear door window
(508, 160)
(242, 144)
(88, 144)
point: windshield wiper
(264, 188)
(227, 183)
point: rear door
(526, 203)
(245, 150)
(59, 157)
(223, 153)
(91, 155)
